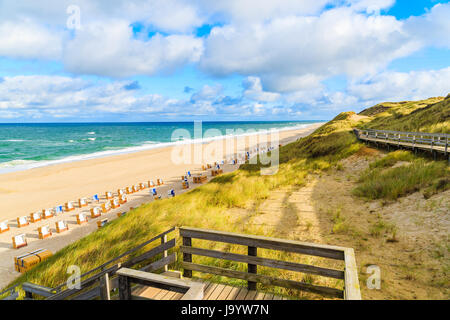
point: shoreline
(32, 164)
(23, 192)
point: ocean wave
(18, 165)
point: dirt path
(407, 239)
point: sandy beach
(24, 192)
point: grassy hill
(219, 204)
(430, 115)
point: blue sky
(173, 60)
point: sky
(174, 60)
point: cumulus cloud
(339, 41)
(27, 39)
(109, 49)
(396, 86)
(432, 28)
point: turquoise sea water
(24, 146)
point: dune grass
(213, 205)
(392, 183)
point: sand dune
(32, 190)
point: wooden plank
(37, 289)
(170, 295)
(161, 294)
(327, 291)
(332, 252)
(352, 290)
(234, 293)
(216, 293)
(251, 295)
(150, 292)
(177, 296)
(150, 254)
(88, 294)
(331, 273)
(210, 290)
(102, 266)
(259, 296)
(242, 294)
(225, 292)
(160, 263)
(268, 296)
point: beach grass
(225, 202)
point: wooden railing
(190, 290)
(103, 279)
(349, 274)
(434, 142)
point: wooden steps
(213, 291)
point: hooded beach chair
(95, 198)
(44, 232)
(129, 190)
(119, 192)
(106, 207)
(136, 187)
(22, 221)
(29, 260)
(4, 226)
(171, 193)
(159, 182)
(35, 217)
(82, 202)
(61, 226)
(69, 206)
(151, 184)
(123, 199)
(108, 195)
(97, 211)
(142, 185)
(58, 210)
(102, 223)
(19, 241)
(115, 203)
(47, 213)
(82, 218)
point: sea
(26, 146)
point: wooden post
(187, 257)
(28, 295)
(164, 240)
(124, 288)
(105, 288)
(252, 268)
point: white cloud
(253, 90)
(26, 39)
(432, 28)
(109, 49)
(339, 41)
(397, 86)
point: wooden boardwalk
(213, 291)
(433, 142)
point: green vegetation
(430, 115)
(214, 204)
(392, 183)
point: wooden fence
(349, 274)
(103, 279)
(433, 142)
(112, 275)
